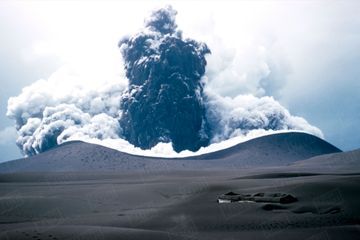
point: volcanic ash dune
(272, 150)
(85, 191)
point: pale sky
(308, 51)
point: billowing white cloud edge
(165, 150)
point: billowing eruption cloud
(162, 102)
(50, 112)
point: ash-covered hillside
(272, 150)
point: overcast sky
(304, 53)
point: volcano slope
(60, 195)
(272, 150)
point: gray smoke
(166, 100)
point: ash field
(85, 191)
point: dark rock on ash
(282, 198)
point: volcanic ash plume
(165, 98)
(161, 103)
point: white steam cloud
(49, 112)
(245, 114)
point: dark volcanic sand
(177, 205)
(157, 202)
